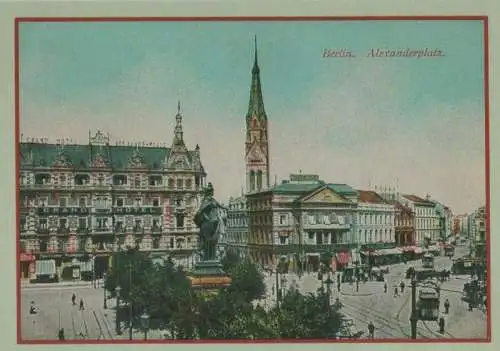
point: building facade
(84, 202)
(236, 237)
(404, 223)
(300, 219)
(478, 236)
(375, 219)
(426, 219)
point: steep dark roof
(398, 205)
(418, 200)
(81, 156)
(370, 197)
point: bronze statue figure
(210, 219)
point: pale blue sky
(355, 121)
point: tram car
(428, 301)
(428, 261)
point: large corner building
(81, 203)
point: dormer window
(81, 179)
(119, 180)
(41, 179)
(154, 180)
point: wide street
(390, 314)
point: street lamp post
(130, 301)
(413, 316)
(118, 329)
(145, 324)
(104, 290)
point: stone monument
(210, 217)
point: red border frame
(19, 20)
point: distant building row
(305, 216)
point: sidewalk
(27, 284)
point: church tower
(257, 142)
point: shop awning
(25, 257)
(434, 248)
(382, 252)
(418, 250)
(387, 252)
(407, 249)
(343, 257)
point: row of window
(375, 235)
(136, 181)
(236, 237)
(427, 223)
(106, 223)
(101, 202)
(324, 238)
(375, 219)
(83, 244)
(237, 222)
(425, 211)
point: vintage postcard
(252, 179)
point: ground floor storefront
(86, 266)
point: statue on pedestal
(211, 219)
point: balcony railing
(43, 231)
(119, 229)
(62, 230)
(82, 230)
(327, 226)
(156, 229)
(101, 229)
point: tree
(230, 260)
(247, 281)
(307, 316)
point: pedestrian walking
(470, 306)
(82, 306)
(73, 299)
(447, 306)
(32, 307)
(371, 330)
(396, 293)
(60, 334)
(402, 286)
(385, 288)
(441, 325)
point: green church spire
(256, 103)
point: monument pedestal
(210, 276)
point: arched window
(259, 180)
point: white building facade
(236, 235)
(427, 226)
(375, 219)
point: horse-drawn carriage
(474, 292)
(466, 265)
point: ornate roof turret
(256, 103)
(178, 133)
